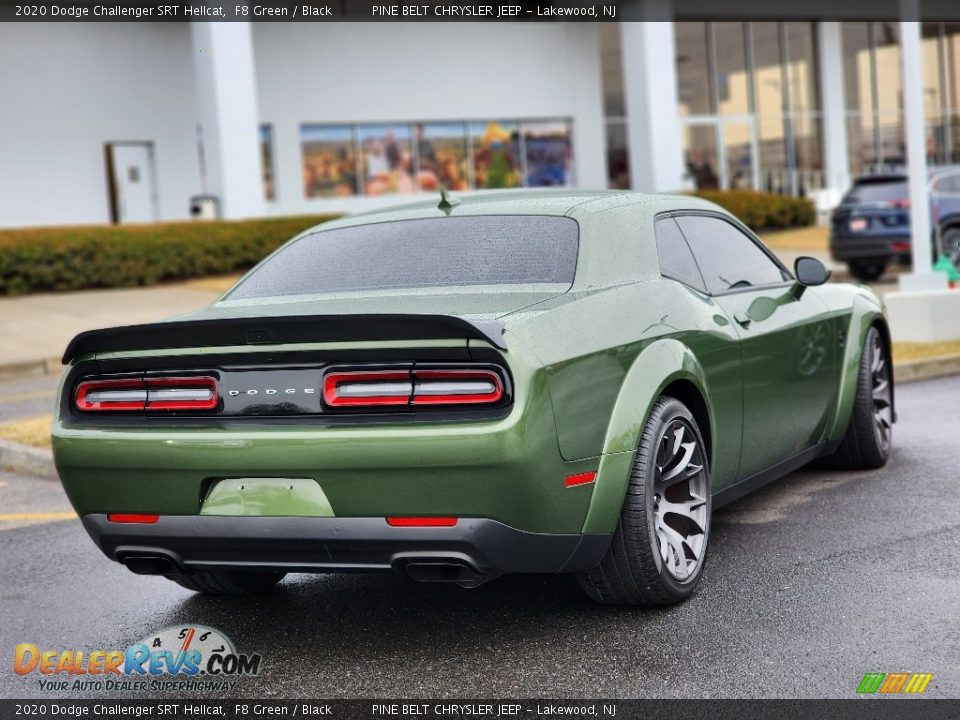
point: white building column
(923, 310)
(916, 136)
(836, 158)
(650, 96)
(227, 115)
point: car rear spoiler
(279, 330)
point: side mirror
(810, 271)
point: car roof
(569, 202)
(613, 247)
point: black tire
(228, 582)
(634, 570)
(866, 443)
(867, 270)
(951, 244)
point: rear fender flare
(865, 315)
(658, 365)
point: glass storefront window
(733, 81)
(329, 160)
(773, 153)
(860, 142)
(611, 64)
(496, 154)
(887, 61)
(738, 154)
(618, 160)
(891, 138)
(693, 69)
(266, 162)
(857, 64)
(549, 154)
(951, 64)
(755, 88)
(701, 158)
(386, 159)
(768, 71)
(934, 98)
(802, 67)
(442, 155)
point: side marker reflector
(421, 521)
(581, 479)
(132, 518)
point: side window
(676, 260)
(727, 258)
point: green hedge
(73, 258)
(763, 211)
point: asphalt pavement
(810, 583)
(27, 397)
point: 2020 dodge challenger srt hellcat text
(553, 382)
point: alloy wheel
(881, 391)
(679, 507)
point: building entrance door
(134, 197)
(721, 152)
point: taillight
(367, 387)
(435, 386)
(456, 387)
(150, 394)
(181, 393)
(105, 395)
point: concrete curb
(926, 369)
(26, 459)
(39, 461)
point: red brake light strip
(367, 388)
(456, 387)
(165, 393)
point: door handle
(742, 319)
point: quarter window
(676, 260)
(728, 259)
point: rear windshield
(885, 190)
(423, 253)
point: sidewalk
(36, 328)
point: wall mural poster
(386, 158)
(329, 160)
(442, 154)
(496, 154)
(549, 154)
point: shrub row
(72, 258)
(763, 211)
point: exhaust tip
(443, 571)
(149, 564)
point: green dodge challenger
(536, 382)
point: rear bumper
(866, 247)
(472, 550)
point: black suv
(871, 226)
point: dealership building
(142, 122)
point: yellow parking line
(26, 396)
(17, 517)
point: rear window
(879, 190)
(423, 253)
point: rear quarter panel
(855, 309)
